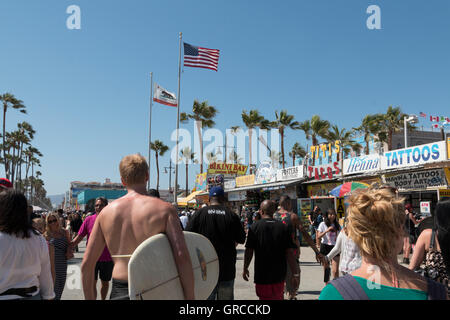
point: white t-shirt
(330, 237)
(25, 263)
(184, 220)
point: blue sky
(87, 91)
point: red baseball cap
(5, 183)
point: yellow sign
(245, 180)
(340, 208)
(448, 147)
(444, 194)
(325, 148)
(321, 190)
(227, 168)
(447, 174)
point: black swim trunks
(119, 290)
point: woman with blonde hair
(376, 225)
(60, 251)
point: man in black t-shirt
(274, 249)
(223, 228)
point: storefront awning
(189, 199)
(267, 186)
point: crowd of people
(359, 256)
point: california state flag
(165, 97)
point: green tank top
(376, 292)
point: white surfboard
(153, 275)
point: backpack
(350, 289)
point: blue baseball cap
(216, 191)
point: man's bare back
(129, 221)
(125, 223)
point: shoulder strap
(433, 236)
(349, 288)
(436, 291)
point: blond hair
(133, 169)
(47, 225)
(375, 222)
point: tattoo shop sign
(423, 154)
(417, 180)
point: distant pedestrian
(223, 228)
(315, 218)
(327, 232)
(39, 225)
(59, 241)
(24, 258)
(104, 266)
(272, 244)
(410, 232)
(154, 193)
(375, 223)
(184, 219)
(350, 257)
(433, 247)
(295, 228)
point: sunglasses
(51, 221)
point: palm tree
(9, 101)
(283, 121)
(203, 112)
(314, 129)
(211, 157)
(370, 126)
(235, 158)
(160, 148)
(252, 120)
(347, 143)
(393, 121)
(189, 157)
(297, 151)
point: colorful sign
(448, 148)
(444, 194)
(321, 190)
(265, 173)
(425, 208)
(413, 156)
(245, 180)
(290, 173)
(363, 164)
(227, 169)
(417, 180)
(340, 208)
(324, 172)
(201, 181)
(326, 149)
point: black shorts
(119, 290)
(325, 249)
(105, 269)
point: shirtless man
(128, 221)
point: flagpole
(150, 131)
(178, 125)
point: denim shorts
(224, 290)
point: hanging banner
(245, 180)
(444, 194)
(417, 180)
(363, 164)
(290, 173)
(322, 189)
(266, 173)
(324, 172)
(340, 208)
(201, 182)
(413, 156)
(227, 169)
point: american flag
(422, 115)
(198, 57)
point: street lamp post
(170, 174)
(411, 118)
